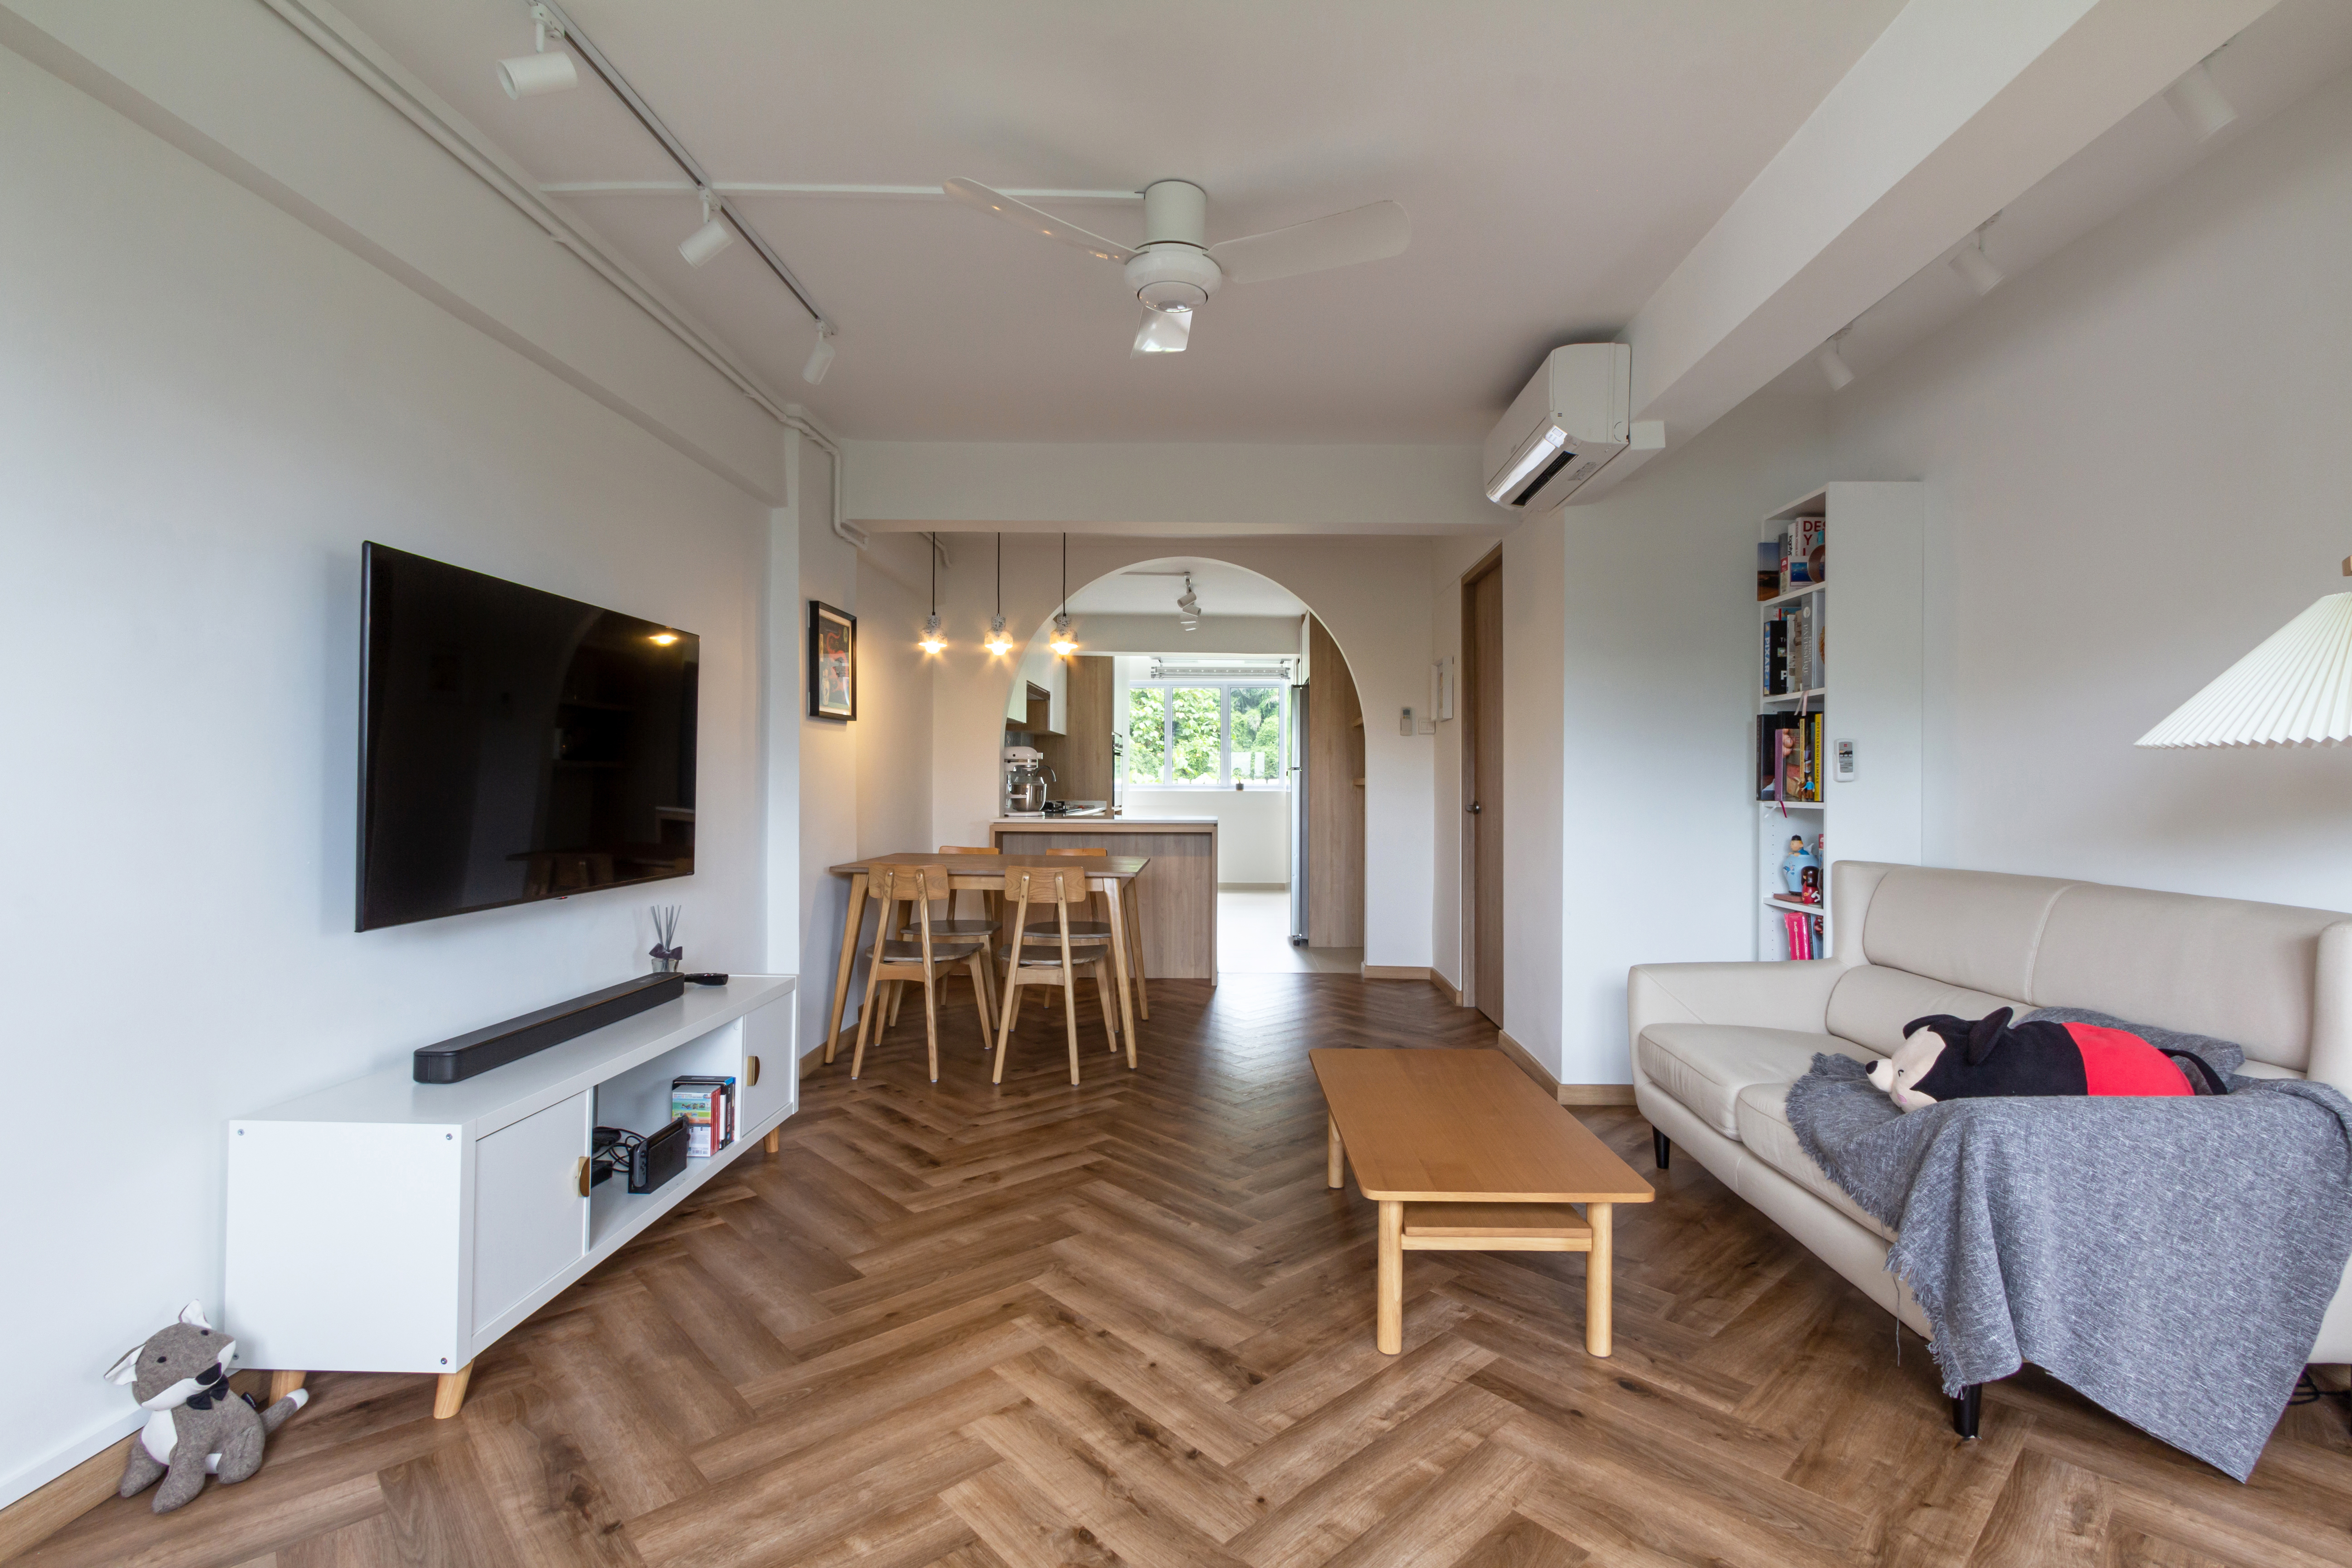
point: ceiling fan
(1175, 269)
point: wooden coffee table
(1465, 1153)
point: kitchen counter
(1177, 892)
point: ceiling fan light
(1163, 332)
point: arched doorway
(1202, 689)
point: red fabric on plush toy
(1943, 1057)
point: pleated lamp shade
(2295, 690)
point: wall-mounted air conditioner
(1572, 418)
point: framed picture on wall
(832, 662)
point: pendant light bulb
(932, 640)
(998, 642)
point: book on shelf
(1803, 933)
(1788, 751)
(709, 1106)
(1792, 649)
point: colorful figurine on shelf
(1794, 864)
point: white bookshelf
(1869, 692)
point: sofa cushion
(1764, 1130)
(2242, 971)
(1976, 928)
(1872, 1003)
(1704, 1066)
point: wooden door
(1482, 647)
(1335, 802)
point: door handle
(584, 1169)
(751, 1072)
(1473, 808)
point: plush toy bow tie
(216, 1384)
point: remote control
(705, 979)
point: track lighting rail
(791, 188)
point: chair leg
(1070, 1012)
(1135, 951)
(1966, 1406)
(898, 1000)
(1109, 1002)
(983, 975)
(865, 1018)
(932, 1019)
(1005, 1030)
(979, 995)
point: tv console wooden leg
(282, 1383)
(774, 1144)
(449, 1393)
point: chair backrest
(922, 886)
(1037, 885)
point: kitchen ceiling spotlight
(1832, 363)
(932, 641)
(712, 237)
(1188, 607)
(820, 359)
(528, 76)
(1974, 265)
(998, 642)
(2199, 101)
(1063, 644)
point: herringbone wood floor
(1127, 1323)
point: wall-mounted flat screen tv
(514, 744)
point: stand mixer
(1025, 773)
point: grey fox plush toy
(195, 1426)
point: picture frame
(832, 662)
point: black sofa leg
(1966, 1405)
(1662, 1148)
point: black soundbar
(466, 1056)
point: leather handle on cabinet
(751, 1072)
(584, 1175)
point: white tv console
(389, 1225)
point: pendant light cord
(1066, 574)
(935, 574)
(1000, 577)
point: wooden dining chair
(1037, 963)
(952, 929)
(926, 958)
(1093, 930)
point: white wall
(893, 732)
(205, 407)
(1253, 826)
(2137, 463)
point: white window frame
(1224, 690)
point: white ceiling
(1222, 588)
(1558, 157)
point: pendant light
(998, 642)
(932, 641)
(1062, 644)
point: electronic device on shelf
(646, 1160)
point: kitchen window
(1205, 734)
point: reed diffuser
(667, 955)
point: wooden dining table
(1111, 875)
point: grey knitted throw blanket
(2171, 1258)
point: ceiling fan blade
(1362, 234)
(1163, 332)
(974, 195)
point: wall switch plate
(1843, 772)
(1404, 725)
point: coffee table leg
(1389, 1313)
(1596, 1280)
(1334, 1173)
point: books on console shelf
(709, 1106)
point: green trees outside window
(1209, 735)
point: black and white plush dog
(197, 1426)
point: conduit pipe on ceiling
(358, 55)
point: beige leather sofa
(1716, 1045)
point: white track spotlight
(820, 359)
(528, 76)
(712, 237)
(1974, 265)
(2200, 102)
(1188, 606)
(1832, 363)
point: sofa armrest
(1781, 995)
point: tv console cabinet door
(767, 1037)
(530, 1221)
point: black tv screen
(514, 744)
